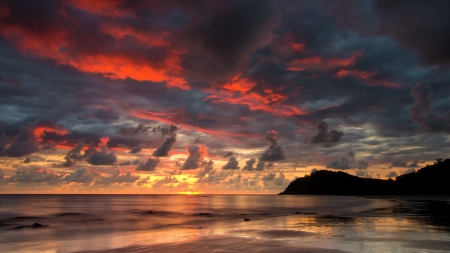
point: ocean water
(76, 223)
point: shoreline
(219, 243)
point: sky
(242, 97)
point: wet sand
(409, 224)
(221, 244)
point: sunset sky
(117, 96)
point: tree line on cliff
(431, 180)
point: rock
(298, 213)
(204, 214)
(246, 219)
(38, 225)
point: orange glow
(41, 130)
(178, 83)
(360, 74)
(103, 141)
(189, 193)
(296, 46)
(366, 76)
(319, 63)
(239, 84)
(269, 103)
(151, 116)
(300, 47)
(56, 44)
(104, 7)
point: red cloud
(104, 50)
(142, 114)
(239, 84)
(270, 102)
(320, 63)
(368, 76)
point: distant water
(97, 222)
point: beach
(221, 223)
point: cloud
(83, 176)
(117, 176)
(215, 177)
(408, 171)
(143, 181)
(150, 165)
(209, 166)
(68, 163)
(260, 166)
(102, 157)
(164, 149)
(345, 163)
(362, 165)
(137, 149)
(421, 111)
(2, 177)
(395, 20)
(228, 154)
(196, 154)
(24, 143)
(325, 137)
(232, 164)
(36, 175)
(249, 164)
(391, 174)
(128, 163)
(75, 153)
(398, 163)
(413, 164)
(133, 131)
(161, 183)
(274, 152)
(281, 180)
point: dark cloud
(391, 174)
(362, 165)
(75, 153)
(232, 164)
(413, 164)
(274, 152)
(325, 137)
(137, 149)
(420, 25)
(128, 163)
(196, 155)
(36, 175)
(249, 164)
(68, 163)
(164, 149)
(260, 166)
(83, 176)
(344, 164)
(221, 42)
(228, 154)
(398, 163)
(132, 131)
(209, 166)
(150, 165)
(102, 157)
(117, 176)
(24, 143)
(421, 111)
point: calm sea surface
(98, 222)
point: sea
(104, 223)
